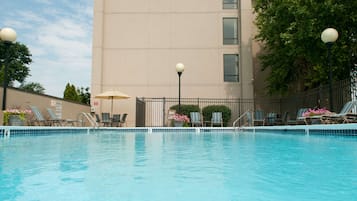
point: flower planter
(15, 117)
(180, 119)
(15, 120)
(178, 123)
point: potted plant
(180, 120)
(15, 117)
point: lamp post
(7, 36)
(179, 69)
(329, 36)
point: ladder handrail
(89, 117)
(240, 117)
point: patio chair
(270, 119)
(217, 119)
(38, 119)
(258, 118)
(195, 118)
(248, 120)
(106, 121)
(116, 120)
(97, 119)
(123, 120)
(345, 115)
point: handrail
(240, 117)
(89, 118)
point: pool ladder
(87, 117)
(247, 114)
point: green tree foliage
(18, 58)
(70, 93)
(32, 87)
(290, 31)
(84, 95)
(81, 95)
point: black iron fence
(154, 111)
(343, 91)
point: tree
(32, 87)
(84, 95)
(290, 31)
(81, 95)
(18, 58)
(70, 93)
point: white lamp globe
(7, 34)
(329, 35)
(180, 67)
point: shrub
(226, 113)
(186, 109)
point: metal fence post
(163, 111)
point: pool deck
(321, 129)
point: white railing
(84, 117)
(247, 114)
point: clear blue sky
(59, 36)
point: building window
(231, 67)
(230, 31)
(230, 4)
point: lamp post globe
(179, 69)
(329, 36)
(7, 36)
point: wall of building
(136, 46)
(22, 100)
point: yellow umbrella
(111, 95)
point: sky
(58, 34)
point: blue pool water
(178, 167)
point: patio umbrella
(111, 95)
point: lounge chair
(54, 120)
(116, 120)
(300, 119)
(123, 120)
(106, 121)
(38, 119)
(217, 119)
(345, 115)
(282, 120)
(195, 118)
(258, 118)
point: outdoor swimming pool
(178, 166)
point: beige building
(137, 44)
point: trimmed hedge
(226, 113)
(186, 109)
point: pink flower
(17, 111)
(316, 112)
(181, 117)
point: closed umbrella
(111, 95)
